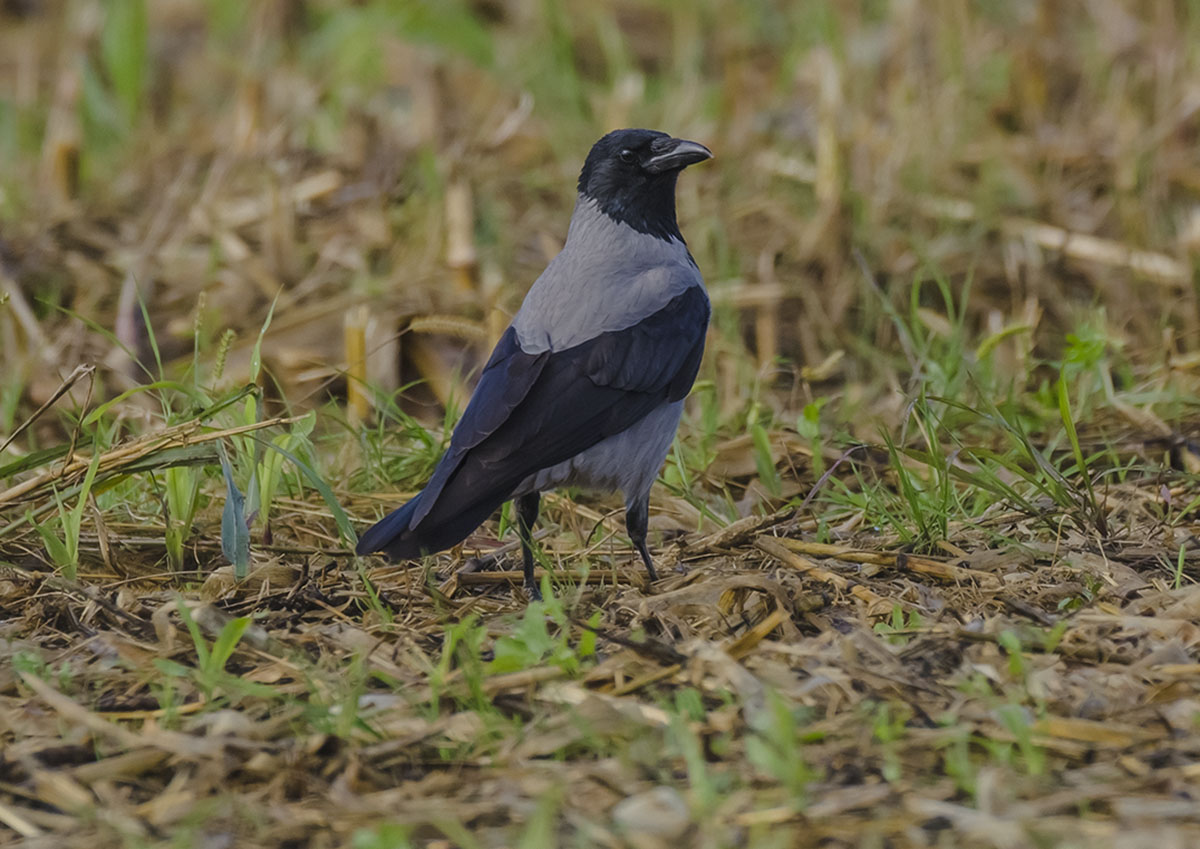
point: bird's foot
(640, 544)
(533, 591)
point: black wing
(533, 411)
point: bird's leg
(637, 521)
(527, 513)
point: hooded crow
(586, 386)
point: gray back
(608, 277)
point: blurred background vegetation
(1023, 175)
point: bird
(586, 386)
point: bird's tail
(393, 534)
(447, 523)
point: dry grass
(928, 538)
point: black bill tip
(674, 154)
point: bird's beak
(675, 154)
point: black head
(631, 174)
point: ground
(927, 539)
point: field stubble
(927, 539)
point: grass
(927, 536)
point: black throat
(648, 207)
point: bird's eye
(626, 156)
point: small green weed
(900, 625)
(532, 643)
(776, 749)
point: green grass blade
(345, 528)
(1064, 408)
(235, 535)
